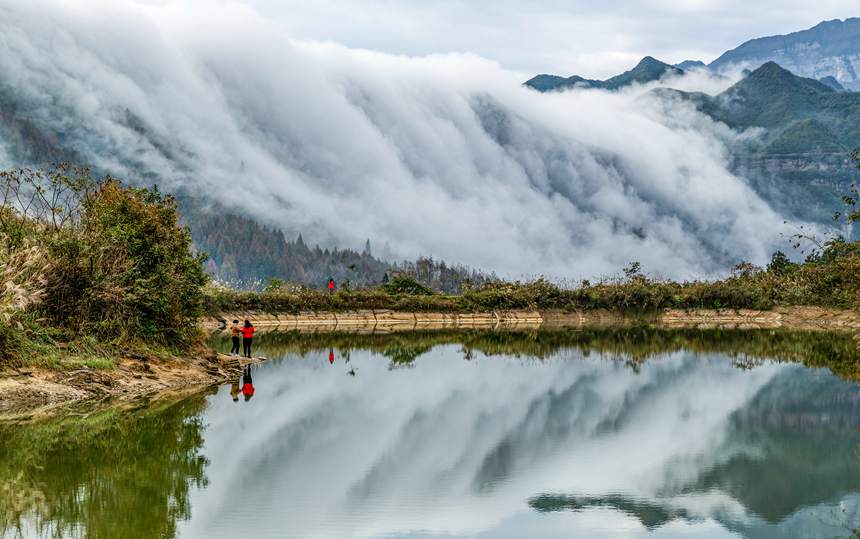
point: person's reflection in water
(247, 384)
(330, 356)
(234, 389)
(346, 358)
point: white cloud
(444, 155)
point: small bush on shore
(126, 271)
(402, 285)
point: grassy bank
(828, 278)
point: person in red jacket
(247, 384)
(247, 337)
(331, 285)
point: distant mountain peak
(771, 70)
(654, 67)
(774, 75)
(688, 65)
(649, 61)
(548, 83)
(649, 69)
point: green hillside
(807, 135)
(800, 115)
(773, 97)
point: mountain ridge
(829, 52)
(830, 48)
(649, 69)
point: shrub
(780, 264)
(127, 270)
(406, 285)
(97, 260)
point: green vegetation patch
(72, 476)
(91, 270)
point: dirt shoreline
(27, 394)
(800, 318)
(31, 393)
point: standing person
(235, 335)
(247, 337)
(330, 285)
(247, 384)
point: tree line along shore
(93, 270)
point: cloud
(444, 155)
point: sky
(586, 37)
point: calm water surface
(649, 434)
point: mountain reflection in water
(597, 433)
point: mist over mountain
(792, 109)
(443, 155)
(803, 131)
(832, 83)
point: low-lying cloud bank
(441, 155)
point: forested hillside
(244, 254)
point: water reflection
(234, 389)
(111, 474)
(710, 436)
(565, 434)
(786, 468)
(837, 351)
(247, 384)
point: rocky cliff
(829, 49)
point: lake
(588, 433)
